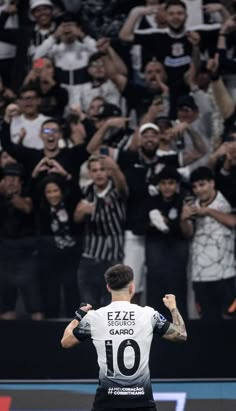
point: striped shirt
(104, 229)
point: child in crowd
(166, 248)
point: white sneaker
(158, 221)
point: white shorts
(134, 250)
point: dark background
(32, 350)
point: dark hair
(175, 3)
(51, 120)
(54, 178)
(29, 87)
(202, 173)
(169, 173)
(118, 276)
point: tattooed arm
(176, 331)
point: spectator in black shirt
(53, 97)
(140, 96)
(166, 248)
(173, 46)
(60, 242)
(18, 258)
(52, 158)
(28, 38)
(140, 168)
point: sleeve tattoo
(176, 330)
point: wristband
(223, 34)
(79, 314)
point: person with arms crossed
(122, 334)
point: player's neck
(120, 297)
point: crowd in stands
(118, 144)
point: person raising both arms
(122, 334)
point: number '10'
(120, 357)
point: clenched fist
(169, 301)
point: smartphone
(189, 199)
(38, 64)
(104, 151)
(180, 143)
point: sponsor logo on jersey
(121, 318)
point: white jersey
(212, 247)
(122, 334)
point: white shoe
(158, 221)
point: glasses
(50, 130)
(97, 63)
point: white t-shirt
(212, 250)
(87, 92)
(122, 334)
(32, 127)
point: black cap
(95, 56)
(187, 101)
(109, 110)
(13, 169)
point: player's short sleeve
(83, 330)
(159, 323)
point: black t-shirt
(70, 159)
(226, 182)
(140, 176)
(171, 211)
(174, 52)
(14, 223)
(139, 97)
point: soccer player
(122, 334)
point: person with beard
(140, 166)
(104, 66)
(154, 88)
(173, 46)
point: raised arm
(115, 67)
(69, 340)
(199, 146)
(17, 151)
(176, 331)
(116, 175)
(127, 31)
(97, 139)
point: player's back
(122, 334)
